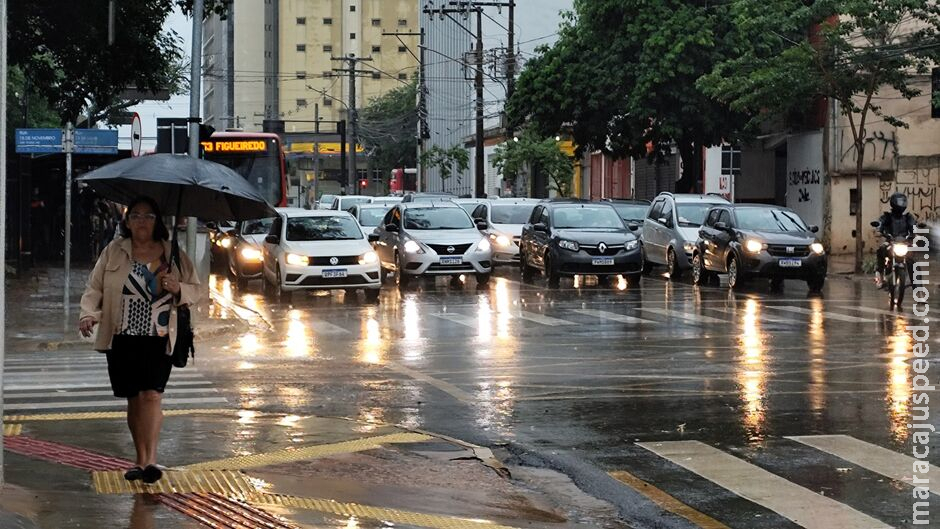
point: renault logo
(450, 249)
(334, 261)
(602, 248)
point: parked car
(244, 253)
(427, 197)
(670, 230)
(325, 202)
(504, 222)
(567, 238)
(632, 211)
(432, 238)
(318, 249)
(369, 215)
(756, 240)
(344, 202)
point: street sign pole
(69, 146)
(195, 92)
(3, 203)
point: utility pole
(195, 92)
(353, 113)
(3, 206)
(480, 180)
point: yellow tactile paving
(667, 502)
(228, 483)
(431, 521)
(309, 452)
(12, 429)
(85, 416)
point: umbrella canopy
(181, 185)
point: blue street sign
(96, 141)
(39, 141)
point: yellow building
(314, 32)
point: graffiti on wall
(918, 178)
(880, 145)
(802, 180)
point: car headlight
(817, 248)
(631, 245)
(299, 260)
(689, 247)
(569, 245)
(412, 247)
(900, 249)
(368, 258)
(753, 246)
(500, 240)
(225, 242)
(251, 254)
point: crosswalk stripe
(541, 318)
(880, 460)
(803, 506)
(870, 310)
(762, 317)
(65, 375)
(106, 403)
(103, 383)
(829, 315)
(613, 316)
(322, 327)
(92, 393)
(687, 316)
(462, 319)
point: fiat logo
(791, 249)
(602, 247)
(450, 249)
(334, 261)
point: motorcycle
(897, 269)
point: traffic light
(363, 183)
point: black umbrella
(190, 187)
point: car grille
(465, 267)
(780, 250)
(441, 249)
(589, 269)
(611, 250)
(343, 260)
(317, 281)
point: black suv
(757, 240)
(573, 237)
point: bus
(257, 156)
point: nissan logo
(602, 248)
(450, 249)
(334, 260)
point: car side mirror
(391, 228)
(481, 225)
(814, 228)
(373, 237)
(272, 239)
(721, 226)
(633, 226)
(540, 226)
(875, 224)
(662, 220)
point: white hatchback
(318, 250)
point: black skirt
(138, 363)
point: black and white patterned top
(144, 313)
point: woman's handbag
(183, 347)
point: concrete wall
(754, 184)
(843, 224)
(805, 176)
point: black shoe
(151, 474)
(134, 474)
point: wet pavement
(678, 406)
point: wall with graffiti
(804, 176)
(918, 177)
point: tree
(26, 107)
(455, 159)
(622, 77)
(62, 48)
(790, 52)
(533, 153)
(388, 127)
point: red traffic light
(363, 183)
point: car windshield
(371, 216)
(437, 219)
(631, 211)
(326, 199)
(693, 215)
(346, 203)
(257, 227)
(602, 217)
(769, 219)
(511, 213)
(322, 229)
(469, 206)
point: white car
(504, 222)
(318, 250)
(387, 201)
(344, 202)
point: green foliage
(388, 127)
(449, 161)
(531, 152)
(25, 106)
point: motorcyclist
(893, 225)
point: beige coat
(102, 297)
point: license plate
(790, 263)
(451, 260)
(602, 261)
(340, 272)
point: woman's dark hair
(160, 233)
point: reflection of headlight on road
(900, 250)
(817, 248)
(483, 245)
(251, 254)
(368, 258)
(753, 246)
(632, 244)
(413, 247)
(294, 259)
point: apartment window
(301, 21)
(327, 102)
(403, 76)
(402, 22)
(301, 75)
(376, 49)
(376, 22)
(327, 21)
(935, 92)
(301, 103)
(352, 36)
(302, 47)
(376, 75)
(402, 49)
(352, 9)
(328, 48)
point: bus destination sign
(234, 146)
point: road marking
(874, 311)
(462, 319)
(829, 315)
(687, 316)
(95, 384)
(803, 506)
(290, 455)
(442, 385)
(226, 483)
(667, 502)
(82, 416)
(763, 316)
(102, 376)
(323, 327)
(93, 393)
(10, 430)
(541, 318)
(607, 315)
(866, 455)
(105, 403)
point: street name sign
(39, 141)
(96, 141)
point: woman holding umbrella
(130, 296)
